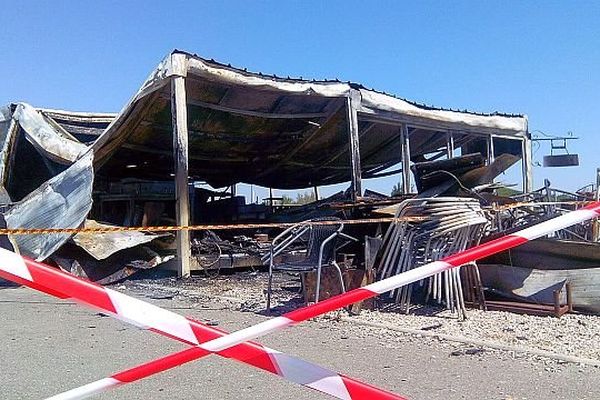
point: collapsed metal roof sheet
(242, 126)
(246, 127)
(271, 131)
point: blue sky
(539, 58)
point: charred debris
(196, 129)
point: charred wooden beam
(490, 149)
(180, 155)
(450, 144)
(405, 142)
(352, 103)
(527, 166)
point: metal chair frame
(290, 236)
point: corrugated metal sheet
(271, 131)
(62, 202)
(103, 245)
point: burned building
(199, 120)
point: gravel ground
(50, 346)
(573, 335)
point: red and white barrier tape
(151, 317)
(299, 371)
(475, 253)
(147, 316)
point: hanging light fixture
(559, 153)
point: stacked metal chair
(444, 226)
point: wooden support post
(271, 203)
(449, 145)
(180, 155)
(490, 149)
(527, 165)
(317, 195)
(405, 142)
(7, 152)
(355, 172)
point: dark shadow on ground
(4, 284)
(416, 309)
(281, 308)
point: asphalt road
(49, 346)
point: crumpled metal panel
(62, 202)
(115, 268)
(48, 138)
(103, 245)
(271, 131)
(8, 129)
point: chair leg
(269, 285)
(339, 270)
(318, 289)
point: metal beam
(259, 114)
(343, 150)
(394, 119)
(405, 143)
(309, 137)
(180, 155)
(352, 103)
(527, 166)
(152, 150)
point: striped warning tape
(540, 204)
(473, 254)
(145, 315)
(251, 353)
(113, 229)
(217, 227)
(372, 290)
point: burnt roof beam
(259, 114)
(311, 135)
(344, 149)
